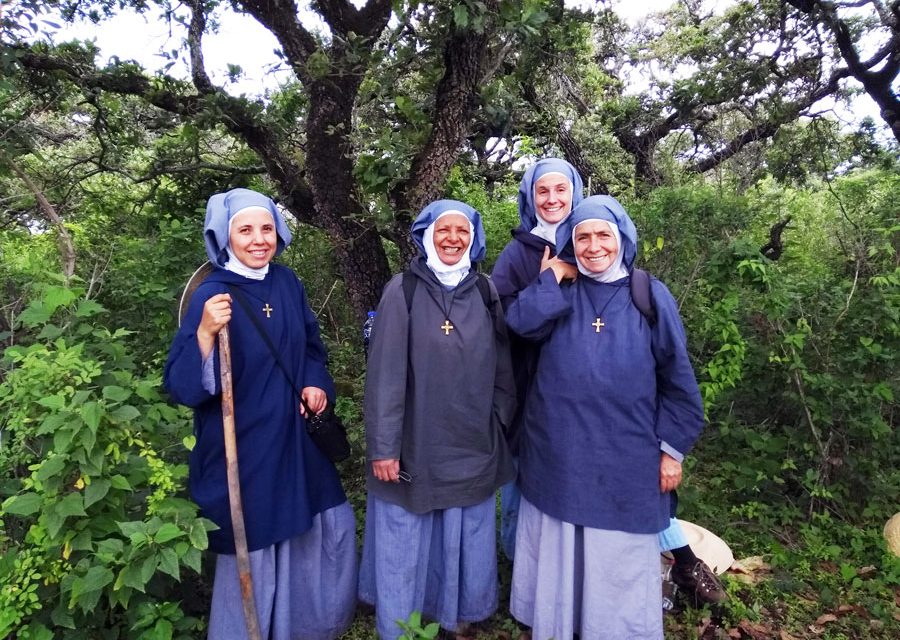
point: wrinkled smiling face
(253, 239)
(452, 237)
(553, 197)
(595, 245)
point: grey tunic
(440, 403)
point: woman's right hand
(561, 269)
(386, 470)
(216, 314)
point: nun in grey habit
(439, 395)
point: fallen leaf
(816, 630)
(704, 625)
(750, 564)
(784, 635)
(734, 633)
(828, 566)
(825, 618)
(867, 571)
(847, 609)
(746, 578)
(756, 630)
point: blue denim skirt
(442, 563)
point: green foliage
(413, 629)
(499, 210)
(92, 527)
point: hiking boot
(700, 583)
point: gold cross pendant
(597, 325)
(268, 310)
(447, 327)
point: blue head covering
(222, 207)
(527, 212)
(477, 249)
(599, 208)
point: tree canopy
(390, 95)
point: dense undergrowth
(797, 359)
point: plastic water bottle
(367, 331)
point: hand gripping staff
(231, 459)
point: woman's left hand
(669, 473)
(315, 399)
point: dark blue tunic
(285, 479)
(517, 267)
(601, 403)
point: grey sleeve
(384, 406)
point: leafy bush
(93, 533)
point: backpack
(484, 288)
(641, 295)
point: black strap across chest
(238, 295)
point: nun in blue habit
(613, 409)
(300, 527)
(439, 395)
(548, 191)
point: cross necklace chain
(447, 327)
(598, 323)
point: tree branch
(280, 17)
(199, 166)
(195, 35)
(877, 84)
(455, 99)
(66, 246)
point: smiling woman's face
(553, 197)
(253, 239)
(595, 245)
(452, 237)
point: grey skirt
(567, 579)
(304, 587)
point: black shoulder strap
(245, 305)
(641, 295)
(409, 287)
(484, 288)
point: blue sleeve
(665, 447)
(184, 373)
(680, 410)
(505, 275)
(504, 405)
(209, 374)
(315, 366)
(534, 312)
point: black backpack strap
(641, 295)
(484, 287)
(409, 288)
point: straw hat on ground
(711, 548)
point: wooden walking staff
(231, 458)
(234, 488)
